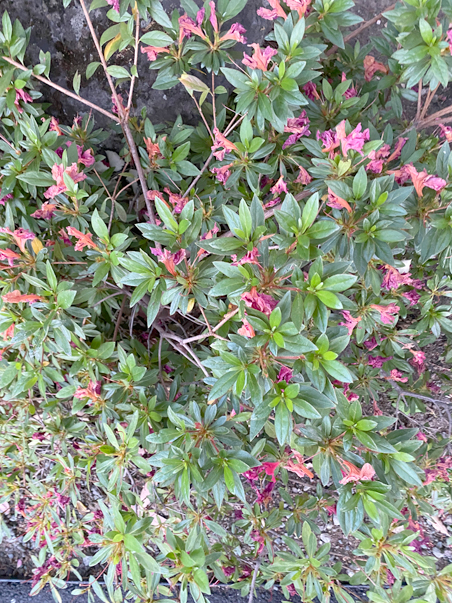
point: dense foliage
(216, 310)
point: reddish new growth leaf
(16, 297)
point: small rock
(325, 538)
(438, 554)
(336, 520)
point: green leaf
(98, 225)
(223, 385)
(329, 299)
(117, 71)
(76, 82)
(65, 299)
(156, 38)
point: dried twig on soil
(253, 581)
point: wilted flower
(397, 149)
(387, 313)
(222, 173)
(354, 141)
(57, 174)
(371, 66)
(336, 202)
(170, 260)
(21, 95)
(285, 374)
(330, 141)
(351, 92)
(301, 6)
(298, 127)
(303, 177)
(396, 375)
(115, 109)
(418, 360)
(16, 297)
(279, 187)
(46, 212)
(189, 27)
(371, 343)
(394, 279)
(377, 159)
(9, 255)
(273, 13)
(153, 150)
(114, 4)
(446, 131)
(422, 179)
(177, 201)
(152, 52)
(377, 361)
(260, 58)
(350, 321)
(235, 32)
(259, 301)
(83, 240)
(353, 474)
(449, 39)
(54, 126)
(250, 257)
(6, 198)
(297, 466)
(310, 89)
(20, 235)
(92, 392)
(221, 142)
(246, 330)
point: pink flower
(21, 95)
(260, 59)
(57, 174)
(83, 240)
(235, 32)
(377, 361)
(371, 343)
(272, 202)
(298, 127)
(259, 301)
(6, 198)
(9, 255)
(200, 16)
(355, 141)
(279, 187)
(396, 375)
(228, 571)
(213, 16)
(249, 258)
(421, 436)
(177, 201)
(350, 321)
(330, 141)
(412, 296)
(246, 330)
(114, 4)
(20, 235)
(153, 51)
(387, 313)
(301, 6)
(351, 92)
(64, 237)
(377, 159)
(401, 175)
(92, 391)
(291, 590)
(393, 279)
(221, 142)
(310, 89)
(285, 374)
(371, 66)
(422, 179)
(170, 260)
(303, 177)
(115, 109)
(353, 474)
(397, 149)
(189, 27)
(275, 12)
(418, 360)
(222, 173)
(336, 202)
(446, 131)
(54, 126)
(46, 212)
(270, 468)
(298, 466)
(449, 39)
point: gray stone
(438, 554)
(64, 33)
(325, 538)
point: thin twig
(419, 100)
(204, 167)
(253, 581)
(135, 58)
(361, 28)
(227, 317)
(108, 297)
(123, 118)
(203, 118)
(118, 319)
(64, 90)
(428, 100)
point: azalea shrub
(197, 321)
